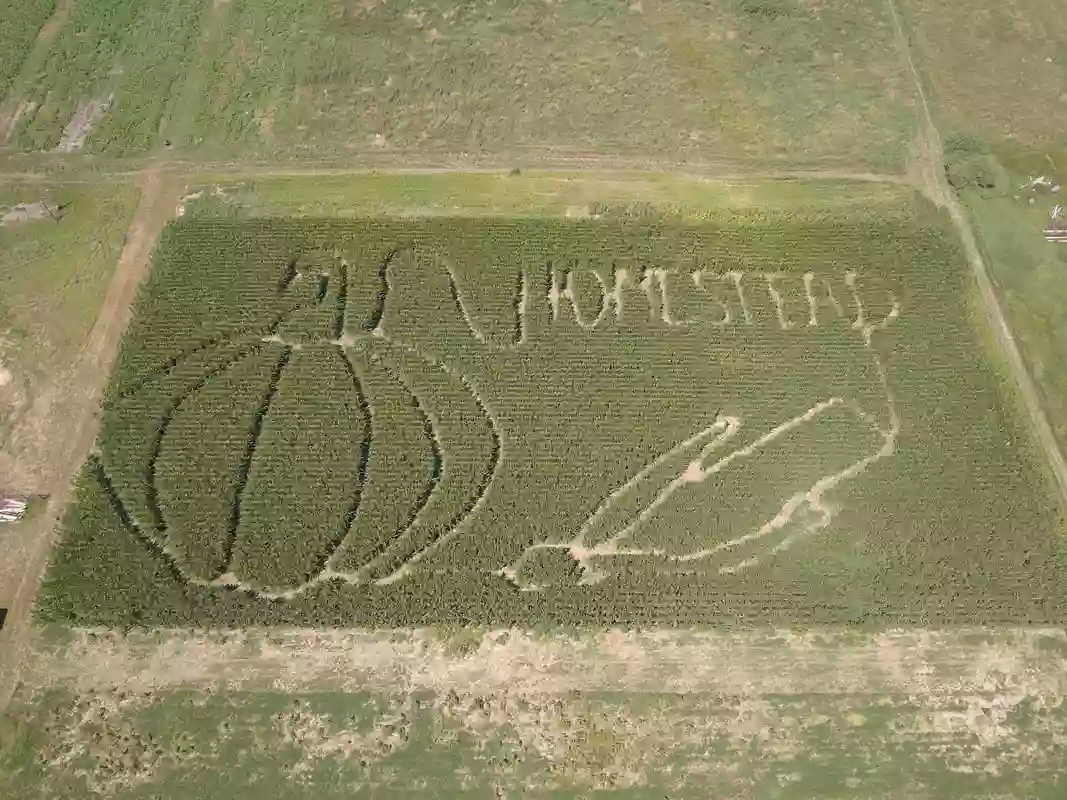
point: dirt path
(12, 108)
(414, 164)
(73, 419)
(929, 175)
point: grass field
(1030, 272)
(996, 71)
(226, 746)
(579, 77)
(339, 80)
(20, 23)
(966, 713)
(110, 79)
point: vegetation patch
(680, 80)
(450, 744)
(19, 23)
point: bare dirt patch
(29, 212)
(81, 124)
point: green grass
(233, 745)
(53, 277)
(535, 424)
(136, 52)
(538, 193)
(19, 22)
(775, 82)
(996, 71)
(1029, 272)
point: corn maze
(601, 421)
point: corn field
(400, 422)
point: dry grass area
(834, 661)
(331, 714)
(769, 85)
(781, 83)
(997, 71)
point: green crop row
(204, 456)
(404, 466)
(125, 57)
(19, 21)
(303, 486)
(769, 420)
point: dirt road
(73, 419)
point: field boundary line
(93, 369)
(603, 166)
(934, 184)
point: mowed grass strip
(541, 193)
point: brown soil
(81, 124)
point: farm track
(75, 425)
(930, 178)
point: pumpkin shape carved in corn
(297, 449)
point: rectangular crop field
(401, 422)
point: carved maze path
(403, 422)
